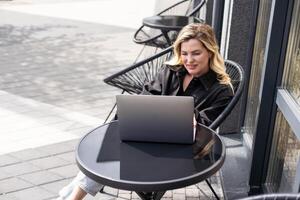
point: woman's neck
(186, 81)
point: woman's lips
(191, 66)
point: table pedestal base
(151, 195)
(159, 195)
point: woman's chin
(193, 73)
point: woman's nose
(190, 58)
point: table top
(169, 22)
(141, 166)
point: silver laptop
(153, 118)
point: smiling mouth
(191, 66)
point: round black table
(168, 23)
(149, 169)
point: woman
(197, 70)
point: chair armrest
(132, 78)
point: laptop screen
(153, 118)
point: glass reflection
(291, 79)
(284, 157)
(258, 60)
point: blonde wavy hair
(205, 34)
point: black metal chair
(132, 79)
(274, 196)
(236, 74)
(153, 37)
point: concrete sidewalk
(51, 91)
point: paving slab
(41, 177)
(13, 184)
(35, 193)
(67, 171)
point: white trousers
(88, 185)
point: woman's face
(195, 57)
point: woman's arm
(206, 115)
(155, 87)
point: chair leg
(151, 195)
(212, 189)
(146, 52)
(111, 111)
(140, 53)
(102, 189)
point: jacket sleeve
(208, 114)
(155, 86)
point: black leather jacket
(210, 96)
